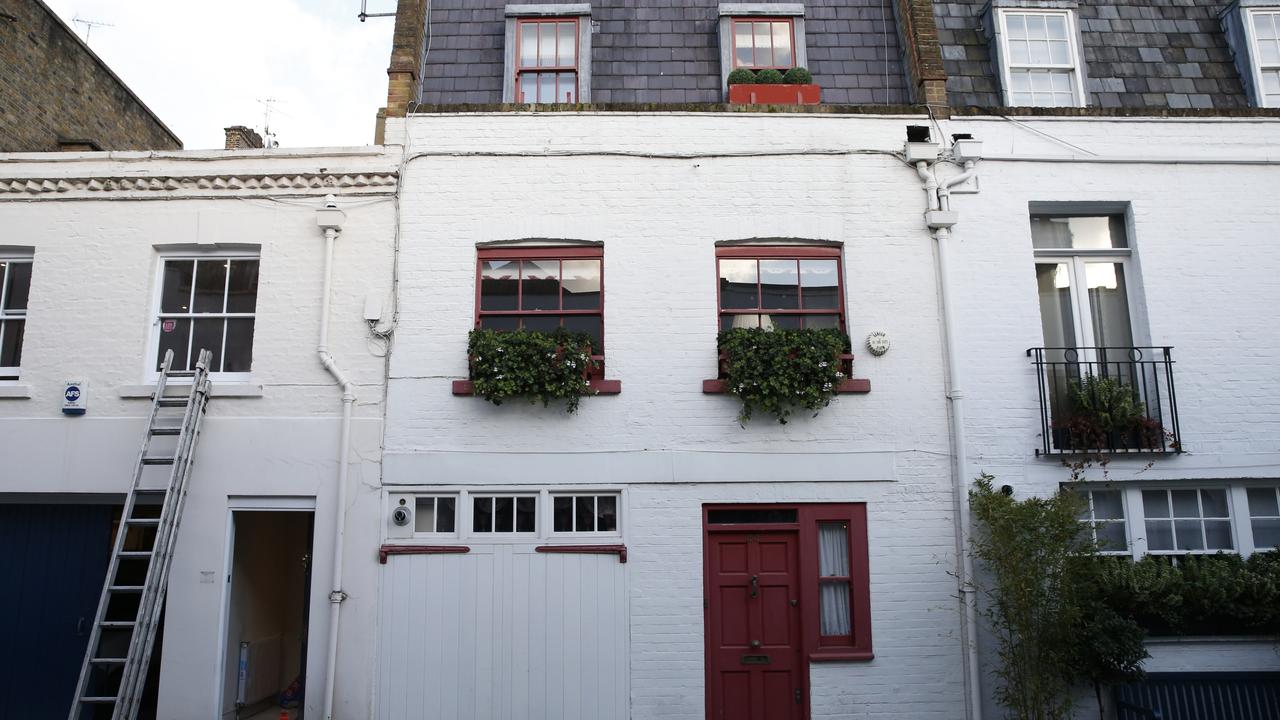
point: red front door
(755, 670)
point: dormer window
(1265, 25)
(763, 43)
(548, 54)
(1039, 56)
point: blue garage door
(52, 562)
(1201, 696)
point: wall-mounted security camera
(402, 515)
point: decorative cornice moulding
(244, 184)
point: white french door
(1084, 303)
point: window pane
(1019, 54)
(1057, 27)
(175, 297)
(540, 285)
(1017, 25)
(1059, 53)
(499, 283)
(444, 514)
(568, 43)
(211, 285)
(11, 342)
(504, 519)
(779, 284)
(836, 617)
(729, 322)
(1039, 52)
(781, 322)
(1107, 505)
(581, 284)
(174, 335)
(207, 335)
(738, 284)
(242, 287)
(546, 44)
(763, 41)
(1081, 233)
(1056, 314)
(1108, 304)
(1185, 504)
(482, 514)
(1111, 536)
(563, 511)
(239, 346)
(822, 321)
(18, 285)
(541, 323)
(1188, 534)
(1266, 533)
(1263, 502)
(748, 516)
(1214, 503)
(528, 44)
(607, 513)
(566, 87)
(742, 44)
(1155, 504)
(1035, 27)
(833, 549)
(499, 322)
(546, 88)
(424, 515)
(1159, 535)
(590, 325)
(821, 282)
(1218, 534)
(525, 514)
(585, 514)
(782, 55)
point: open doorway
(267, 614)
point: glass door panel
(1108, 304)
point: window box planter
(847, 386)
(774, 94)
(534, 366)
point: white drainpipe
(940, 219)
(330, 219)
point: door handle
(798, 701)
(755, 586)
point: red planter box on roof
(774, 94)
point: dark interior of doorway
(267, 617)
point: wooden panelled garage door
(503, 633)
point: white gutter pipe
(940, 220)
(330, 219)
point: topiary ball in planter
(742, 76)
(769, 77)
(797, 76)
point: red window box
(774, 94)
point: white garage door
(503, 633)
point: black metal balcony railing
(1103, 400)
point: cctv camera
(401, 516)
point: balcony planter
(781, 371)
(768, 94)
(540, 367)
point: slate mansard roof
(667, 51)
(1137, 53)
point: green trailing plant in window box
(539, 366)
(780, 371)
(742, 76)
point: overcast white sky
(202, 65)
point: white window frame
(1232, 518)
(153, 338)
(539, 514)
(616, 532)
(1237, 508)
(544, 519)
(1258, 69)
(1074, 68)
(436, 497)
(1076, 260)
(9, 259)
(1093, 521)
(1249, 517)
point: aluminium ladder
(118, 656)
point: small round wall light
(878, 343)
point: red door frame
(814, 647)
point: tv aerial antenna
(365, 14)
(268, 107)
(89, 25)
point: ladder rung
(126, 588)
(180, 373)
(135, 553)
(166, 431)
(118, 624)
(143, 521)
(157, 461)
(97, 699)
(172, 402)
(108, 661)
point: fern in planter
(1106, 412)
(780, 371)
(535, 365)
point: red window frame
(817, 647)
(755, 49)
(536, 69)
(546, 253)
(782, 253)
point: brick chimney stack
(404, 76)
(240, 137)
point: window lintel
(547, 10)
(761, 9)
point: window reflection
(790, 287)
(779, 284)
